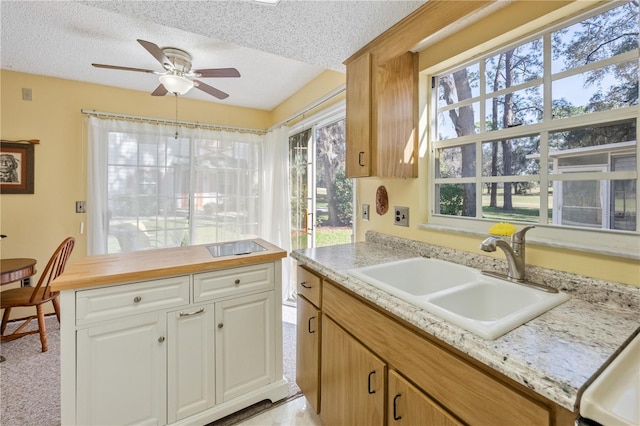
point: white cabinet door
(191, 368)
(245, 353)
(121, 372)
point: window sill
(622, 250)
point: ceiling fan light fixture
(176, 83)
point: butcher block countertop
(107, 269)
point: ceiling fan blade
(114, 67)
(218, 72)
(211, 90)
(160, 91)
(156, 52)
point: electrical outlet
(365, 212)
(401, 216)
(27, 94)
(80, 207)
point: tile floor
(296, 412)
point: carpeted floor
(30, 379)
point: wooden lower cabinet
(408, 406)
(308, 352)
(442, 385)
(353, 380)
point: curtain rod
(154, 120)
(335, 92)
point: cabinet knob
(220, 325)
(237, 281)
(161, 339)
(137, 299)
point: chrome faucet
(514, 253)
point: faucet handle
(518, 237)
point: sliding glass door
(321, 195)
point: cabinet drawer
(127, 299)
(228, 282)
(308, 285)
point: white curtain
(149, 189)
(276, 213)
(98, 135)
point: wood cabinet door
(353, 380)
(121, 372)
(408, 406)
(397, 117)
(190, 369)
(308, 352)
(359, 158)
(245, 353)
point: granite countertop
(556, 354)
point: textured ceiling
(277, 49)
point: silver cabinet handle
(137, 299)
(187, 314)
(161, 339)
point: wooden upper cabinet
(397, 117)
(359, 120)
(382, 116)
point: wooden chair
(36, 296)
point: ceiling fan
(178, 77)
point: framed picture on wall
(16, 168)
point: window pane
(459, 86)
(514, 66)
(590, 146)
(594, 39)
(334, 194)
(606, 88)
(458, 122)
(456, 199)
(511, 201)
(456, 162)
(511, 157)
(514, 109)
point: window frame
(612, 242)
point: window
(321, 195)
(543, 131)
(163, 190)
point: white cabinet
(120, 369)
(178, 350)
(245, 357)
(191, 370)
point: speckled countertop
(555, 354)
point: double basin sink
(487, 307)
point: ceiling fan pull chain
(176, 95)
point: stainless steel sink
(486, 306)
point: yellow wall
(518, 19)
(36, 224)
